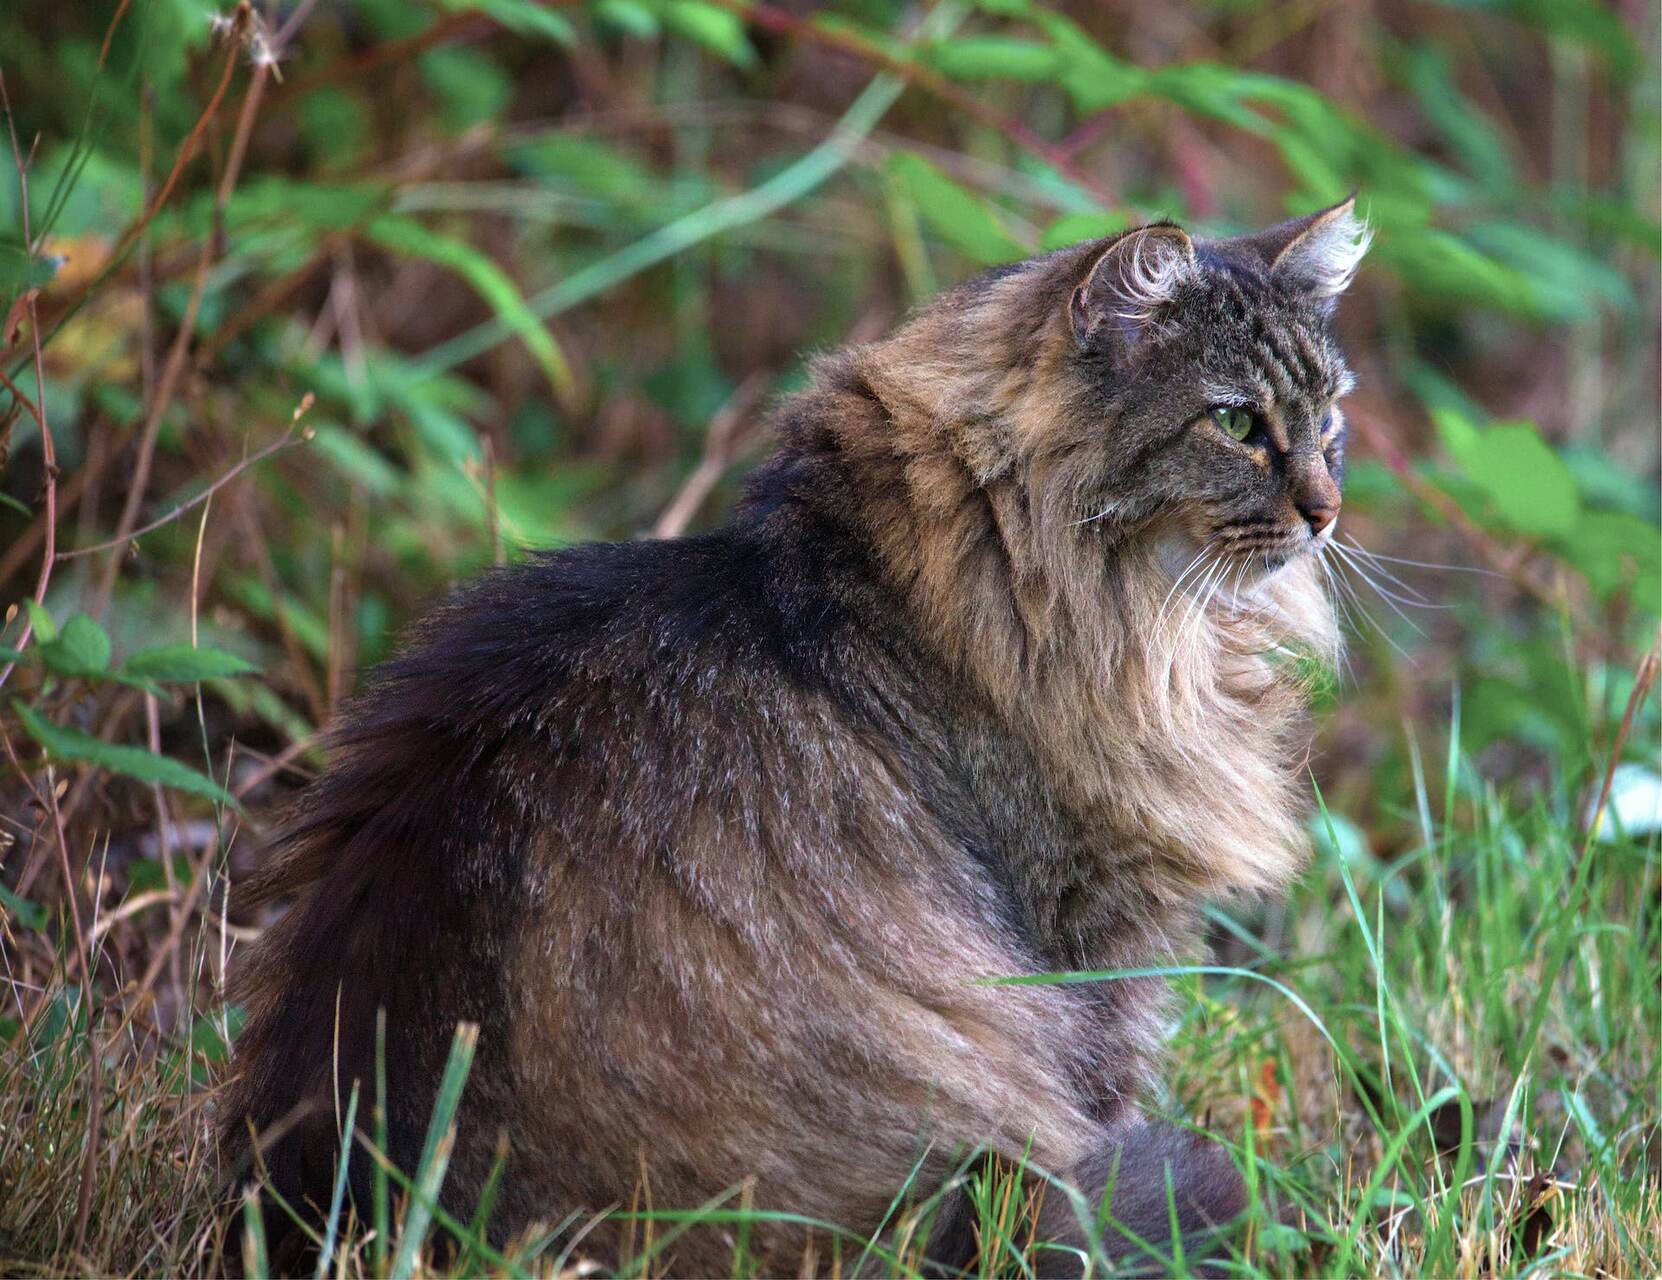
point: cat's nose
(1314, 492)
(1318, 518)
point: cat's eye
(1234, 421)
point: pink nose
(1318, 518)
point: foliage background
(333, 304)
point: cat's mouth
(1271, 548)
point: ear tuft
(1319, 254)
(1135, 279)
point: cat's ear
(1317, 254)
(1137, 277)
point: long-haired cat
(717, 839)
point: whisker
(1356, 549)
(1100, 515)
(1414, 601)
(1384, 593)
(1197, 606)
(1388, 599)
(1427, 564)
(1356, 610)
(1160, 614)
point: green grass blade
(338, 1196)
(436, 1149)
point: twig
(48, 449)
(177, 354)
(722, 441)
(187, 153)
(285, 441)
(1642, 681)
(273, 765)
(377, 56)
(109, 32)
(95, 1080)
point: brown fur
(715, 839)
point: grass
(1443, 1066)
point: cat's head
(1203, 385)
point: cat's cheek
(1175, 549)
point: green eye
(1234, 421)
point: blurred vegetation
(312, 309)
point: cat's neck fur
(1172, 732)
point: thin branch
(187, 153)
(722, 442)
(285, 441)
(48, 449)
(177, 354)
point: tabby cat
(715, 839)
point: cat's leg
(1142, 1173)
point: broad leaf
(716, 29)
(72, 745)
(185, 664)
(995, 58)
(411, 238)
(960, 219)
(30, 914)
(81, 649)
(524, 17)
(41, 621)
(1527, 482)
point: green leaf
(1529, 485)
(19, 271)
(590, 165)
(411, 238)
(212, 1037)
(628, 16)
(1459, 433)
(1613, 550)
(435, 1150)
(320, 205)
(958, 217)
(716, 29)
(184, 664)
(1071, 228)
(522, 17)
(356, 460)
(471, 88)
(995, 58)
(41, 621)
(31, 915)
(1093, 77)
(133, 762)
(81, 649)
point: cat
(716, 839)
